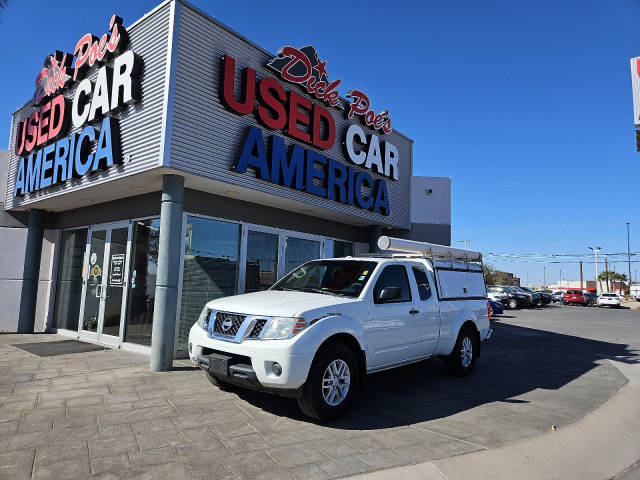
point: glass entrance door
(105, 282)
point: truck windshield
(331, 277)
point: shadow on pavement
(515, 361)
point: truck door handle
(413, 311)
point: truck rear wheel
(331, 383)
(462, 360)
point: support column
(375, 232)
(31, 272)
(165, 307)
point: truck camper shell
(458, 272)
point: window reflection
(146, 239)
(210, 268)
(299, 251)
(262, 261)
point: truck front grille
(228, 323)
(257, 328)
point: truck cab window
(424, 288)
(394, 276)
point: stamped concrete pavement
(103, 414)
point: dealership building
(172, 161)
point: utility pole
(544, 278)
(527, 279)
(466, 242)
(606, 273)
(629, 256)
(581, 275)
(560, 278)
(595, 251)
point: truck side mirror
(388, 294)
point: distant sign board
(635, 82)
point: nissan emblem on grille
(228, 324)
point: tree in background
(493, 276)
(610, 278)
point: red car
(574, 297)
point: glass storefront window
(299, 251)
(69, 282)
(342, 249)
(142, 286)
(262, 261)
(211, 264)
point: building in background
(176, 162)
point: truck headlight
(203, 317)
(281, 328)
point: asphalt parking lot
(103, 414)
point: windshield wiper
(323, 291)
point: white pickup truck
(317, 332)
(634, 291)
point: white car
(609, 300)
(317, 332)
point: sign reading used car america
(311, 123)
(48, 155)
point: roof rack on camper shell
(440, 255)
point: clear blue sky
(526, 105)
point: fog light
(276, 369)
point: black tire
(221, 384)
(454, 362)
(513, 303)
(312, 402)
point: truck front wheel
(331, 383)
(462, 360)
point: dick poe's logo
(46, 157)
(310, 122)
(302, 66)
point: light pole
(595, 251)
(629, 256)
(544, 281)
(465, 242)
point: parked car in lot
(546, 297)
(634, 291)
(574, 297)
(496, 308)
(609, 300)
(316, 332)
(497, 296)
(516, 298)
(557, 296)
(590, 298)
(535, 299)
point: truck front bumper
(253, 363)
(222, 367)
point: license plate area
(219, 364)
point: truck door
(425, 302)
(394, 330)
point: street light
(465, 242)
(595, 251)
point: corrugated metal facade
(206, 138)
(140, 125)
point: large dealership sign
(48, 154)
(312, 123)
(635, 81)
